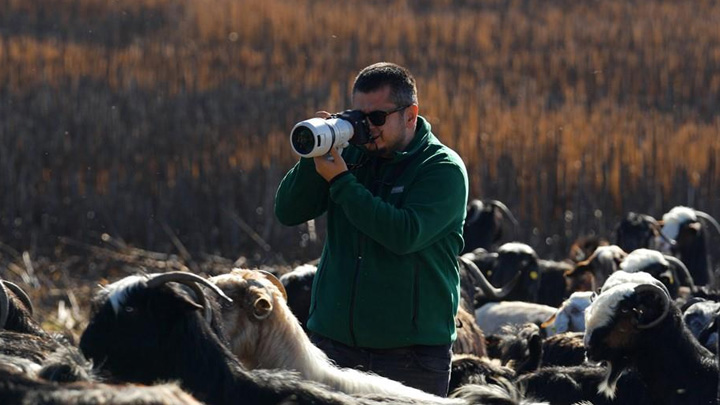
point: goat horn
(190, 280)
(276, 282)
(708, 218)
(4, 306)
(658, 228)
(666, 303)
(686, 273)
(21, 294)
(485, 285)
(505, 211)
(548, 321)
(476, 213)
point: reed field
(163, 124)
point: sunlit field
(160, 127)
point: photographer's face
(399, 127)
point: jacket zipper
(358, 262)
(416, 295)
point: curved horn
(190, 280)
(21, 294)
(4, 306)
(666, 303)
(275, 281)
(505, 211)
(685, 272)
(658, 228)
(708, 218)
(485, 285)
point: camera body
(315, 136)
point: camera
(315, 136)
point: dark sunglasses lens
(377, 118)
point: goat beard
(615, 369)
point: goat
(471, 369)
(590, 274)
(573, 385)
(470, 338)
(521, 274)
(492, 316)
(570, 317)
(682, 225)
(700, 316)
(259, 322)
(16, 310)
(553, 283)
(633, 325)
(516, 269)
(668, 269)
(522, 348)
(21, 388)
(483, 224)
(473, 267)
(21, 336)
(298, 284)
(144, 329)
(584, 247)
(518, 347)
(638, 231)
(563, 349)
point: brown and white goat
(264, 333)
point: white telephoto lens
(315, 136)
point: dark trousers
(423, 367)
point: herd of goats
(627, 320)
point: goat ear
(262, 308)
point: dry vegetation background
(152, 134)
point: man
(386, 290)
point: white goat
(570, 317)
(265, 334)
(492, 316)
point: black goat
(637, 231)
(633, 325)
(16, 310)
(22, 337)
(20, 388)
(483, 224)
(519, 272)
(683, 225)
(668, 269)
(470, 369)
(145, 329)
(591, 273)
(701, 318)
(298, 284)
(577, 384)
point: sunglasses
(378, 117)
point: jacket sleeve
(434, 204)
(302, 194)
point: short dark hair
(381, 74)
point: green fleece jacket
(388, 275)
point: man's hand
(329, 168)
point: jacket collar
(420, 139)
